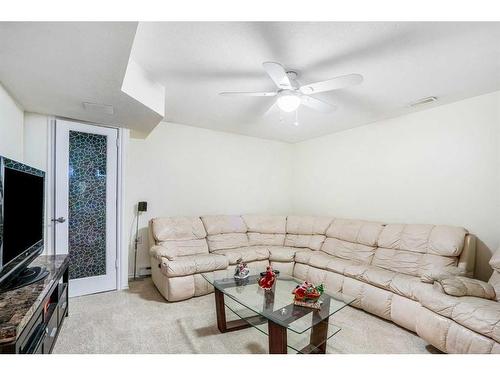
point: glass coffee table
(290, 328)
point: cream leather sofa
(391, 269)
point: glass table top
(277, 304)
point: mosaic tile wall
(87, 204)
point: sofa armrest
(460, 286)
(429, 276)
(158, 252)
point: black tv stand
(27, 276)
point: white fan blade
(332, 84)
(247, 93)
(278, 74)
(317, 104)
(272, 109)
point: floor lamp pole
(141, 207)
(135, 243)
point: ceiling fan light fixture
(288, 102)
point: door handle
(59, 220)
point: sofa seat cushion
(324, 261)
(351, 268)
(193, 264)
(282, 254)
(317, 259)
(478, 314)
(247, 254)
(404, 285)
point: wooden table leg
(220, 308)
(277, 338)
(319, 334)
(232, 325)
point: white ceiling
(53, 67)
(400, 62)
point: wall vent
(99, 108)
(422, 101)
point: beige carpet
(139, 320)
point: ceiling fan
(290, 94)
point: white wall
(36, 153)
(183, 170)
(439, 166)
(36, 140)
(11, 126)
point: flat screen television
(21, 222)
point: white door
(85, 204)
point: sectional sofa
(415, 275)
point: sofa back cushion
(265, 230)
(181, 235)
(352, 239)
(416, 249)
(225, 232)
(306, 231)
(178, 228)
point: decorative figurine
(266, 282)
(308, 295)
(241, 271)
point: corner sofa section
(180, 255)
(389, 268)
(466, 322)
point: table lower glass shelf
(296, 342)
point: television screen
(23, 210)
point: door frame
(121, 247)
